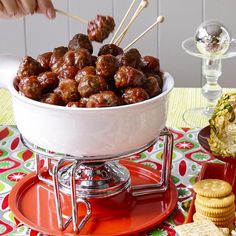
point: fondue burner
(70, 195)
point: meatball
(100, 28)
(159, 78)
(81, 103)
(151, 65)
(48, 81)
(51, 98)
(112, 49)
(67, 89)
(78, 58)
(106, 65)
(58, 66)
(57, 55)
(68, 72)
(80, 41)
(134, 95)
(131, 58)
(151, 86)
(127, 76)
(88, 70)
(31, 87)
(103, 99)
(44, 60)
(29, 66)
(90, 84)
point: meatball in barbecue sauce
(103, 99)
(67, 73)
(87, 70)
(91, 84)
(78, 58)
(134, 95)
(67, 90)
(56, 62)
(100, 28)
(151, 86)
(48, 81)
(44, 60)
(112, 49)
(106, 65)
(81, 103)
(29, 66)
(151, 65)
(80, 41)
(30, 87)
(57, 55)
(131, 58)
(127, 76)
(51, 98)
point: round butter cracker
(212, 188)
(214, 212)
(220, 221)
(215, 202)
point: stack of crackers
(215, 202)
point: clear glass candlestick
(211, 70)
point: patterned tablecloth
(16, 161)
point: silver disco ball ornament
(212, 38)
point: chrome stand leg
(163, 185)
(74, 201)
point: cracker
(215, 202)
(220, 221)
(212, 188)
(203, 228)
(214, 212)
(225, 231)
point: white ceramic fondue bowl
(86, 131)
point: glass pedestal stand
(211, 71)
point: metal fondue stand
(86, 181)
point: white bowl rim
(64, 108)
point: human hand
(19, 8)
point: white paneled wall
(35, 34)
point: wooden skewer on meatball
(98, 29)
(142, 5)
(159, 19)
(75, 17)
(122, 22)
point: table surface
(16, 161)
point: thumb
(46, 7)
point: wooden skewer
(159, 19)
(72, 16)
(123, 20)
(141, 6)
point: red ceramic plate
(32, 203)
(208, 171)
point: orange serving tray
(32, 203)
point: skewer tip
(160, 19)
(144, 3)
